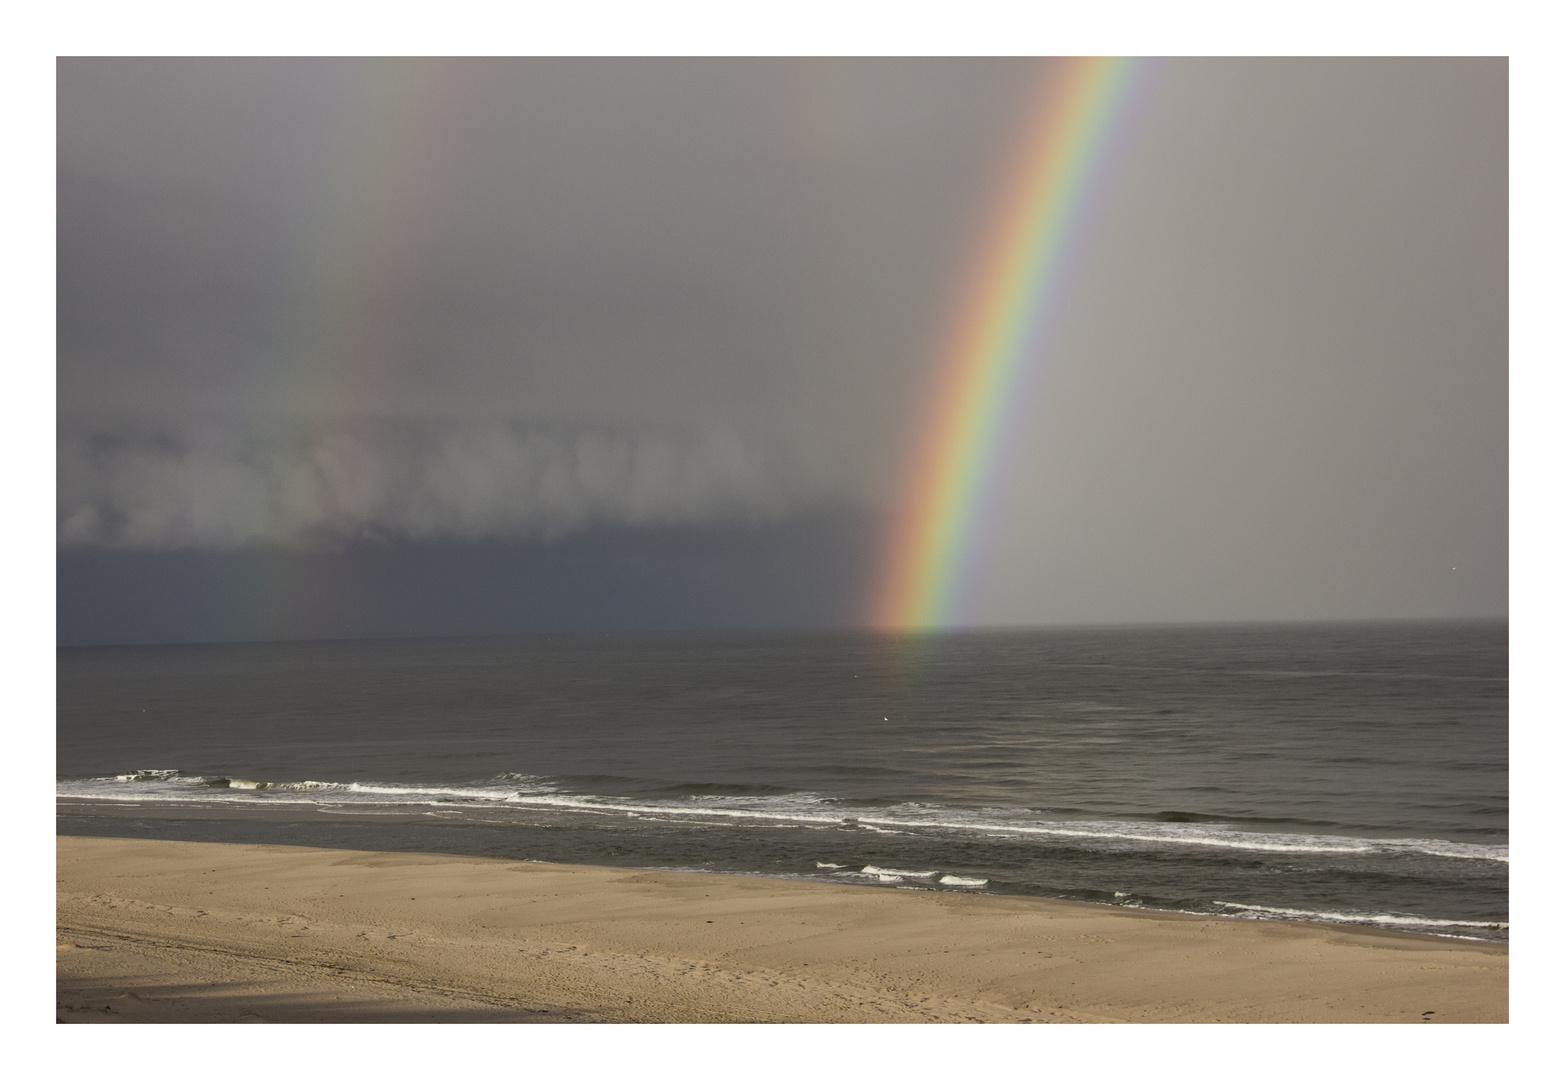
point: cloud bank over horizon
(223, 488)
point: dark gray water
(1348, 772)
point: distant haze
(662, 329)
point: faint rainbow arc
(995, 336)
(387, 122)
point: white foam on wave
(527, 781)
(142, 785)
(1389, 919)
(147, 775)
(964, 882)
(806, 809)
(899, 873)
(699, 807)
(402, 791)
(810, 809)
(171, 786)
(1210, 835)
(274, 785)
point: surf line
(996, 336)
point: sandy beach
(161, 931)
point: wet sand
(161, 931)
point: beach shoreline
(172, 931)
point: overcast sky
(475, 320)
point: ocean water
(1350, 773)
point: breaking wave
(522, 792)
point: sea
(1343, 773)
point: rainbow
(996, 338)
(386, 132)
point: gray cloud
(755, 247)
(218, 488)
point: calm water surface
(1334, 772)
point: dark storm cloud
(211, 489)
(306, 301)
(748, 256)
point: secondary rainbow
(995, 339)
(388, 128)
